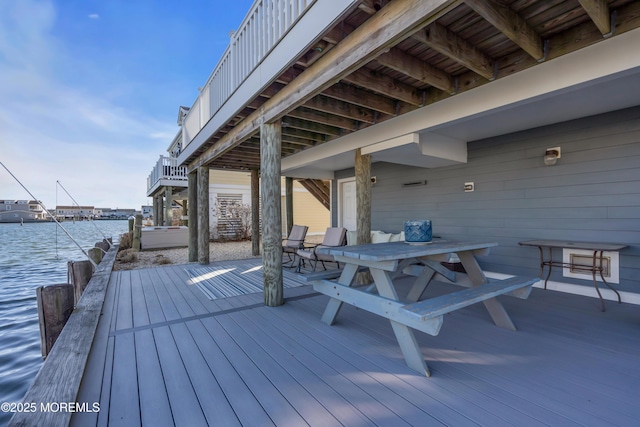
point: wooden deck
(165, 354)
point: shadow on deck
(166, 354)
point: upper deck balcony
(272, 36)
(166, 173)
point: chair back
(296, 236)
(335, 236)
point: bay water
(32, 255)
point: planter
(417, 232)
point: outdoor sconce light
(551, 156)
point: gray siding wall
(591, 194)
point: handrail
(264, 26)
(167, 168)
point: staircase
(319, 189)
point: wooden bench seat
(447, 303)
(426, 315)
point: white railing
(167, 168)
(267, 22)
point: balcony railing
(267, 22)
(167, 168)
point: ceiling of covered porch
(453, 51)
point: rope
(94, 224)
(52, 216)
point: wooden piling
(363, 206)
(255, 212)
(203, 215)
(270, 161)
(95, 254)
(78, 274)
(55, 304)
(288, 198)
(137, 231)
(193, 216)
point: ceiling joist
(510, 24)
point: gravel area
(217, 252)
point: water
(34, 255)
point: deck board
(154, 401)
(194, 361)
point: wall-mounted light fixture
(551, 156)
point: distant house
(75, 212)
(21, 211)
(117, 213)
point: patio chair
(295, 241)
(334, 236)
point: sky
(90, 91)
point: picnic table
(386, 261)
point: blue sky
(90, 90)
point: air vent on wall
(414, 184)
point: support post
(270, 158)
(203, 215)
(363, 205)
(193, 215)
(185, 213)
(160, 210)
(255, 213)
(168, 214)
(154, 212)
(289, 202)
(137, 233)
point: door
(347, 209)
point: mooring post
(55, 304)
(78, 274)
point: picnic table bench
(386, 260)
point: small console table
(596, 266)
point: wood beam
(340, 108)
(301, 135)
(598, 11)
(510, 24)
(411, 66)
(392, 24)
(448, 43)
(385, 85)
(324, 118)
(362, 98)
(311, 126)
(271, 213)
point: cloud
(94, 16)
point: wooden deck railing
(167, 168)
(267, 22)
